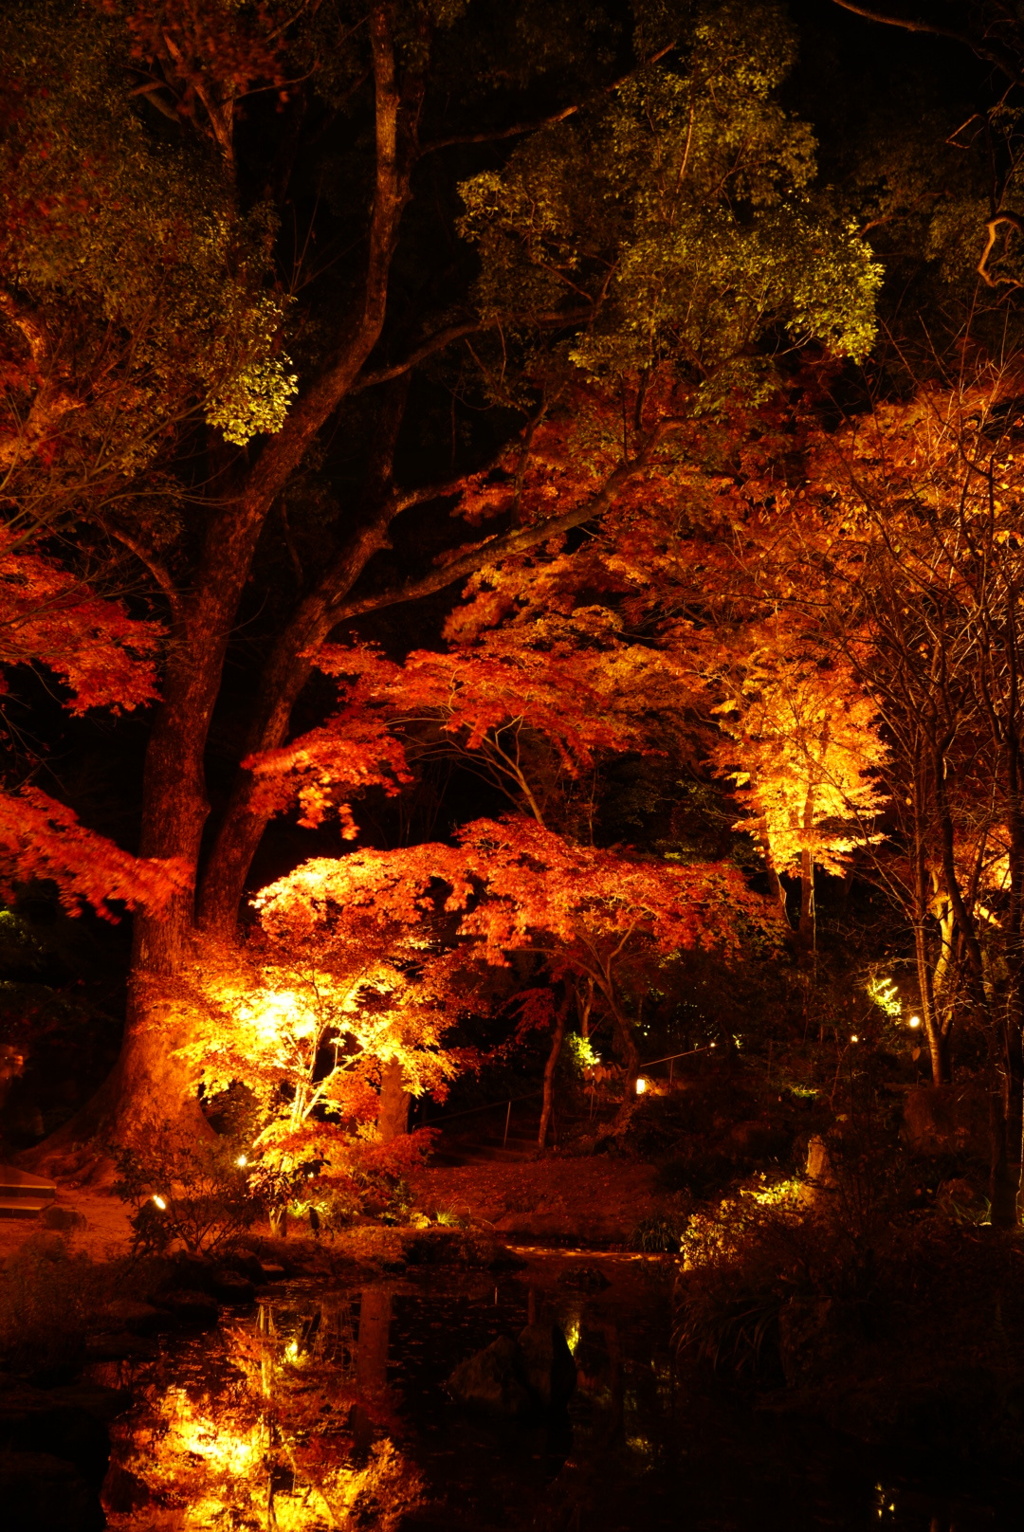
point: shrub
(780, 1257)
(47, 1292)
(184, 1190)
(659, 1233)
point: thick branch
(1002, 60)
(518, 541)
(1013, 221)
(455, 332)
(51, 401)
(434, 343)
(520, 129)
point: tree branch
(482, 554)
(993, 225)
(518, 129)
(1002, 60)
(427, 348)
(458, 332)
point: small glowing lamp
(854, 1038)
(712, 1045)
(160, 1202)
(915, 1021)
(641, 1085)
(241, 1160)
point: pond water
(326, 1408)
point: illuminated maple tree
(103, 658)
(804, 752)
(336, 996)
(652, 244)
(515, 887)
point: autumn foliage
(103, 658)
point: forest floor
(585, 1201)
(595, 1201)
(104, 1234)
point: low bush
(661, 1232)
(776, 1244)
(892, 1318)
(184, 1191)
(47, 1294)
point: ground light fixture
(641, 1085)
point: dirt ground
(571, 1201)
(105, 1233)
(586, 1201)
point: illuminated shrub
(183, 1190)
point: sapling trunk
(550, 1069)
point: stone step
(15, 1182)
(23, 1207)
(23, 1195)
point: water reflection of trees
(281, 1424)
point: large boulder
(947, 1119)
(820, 1182)
(547, 1364)
(42, 1493)
(137, 1318)
(233, 1287)
(63, 1219)
(517, 1379)
(190, 1307)
(493, 1382)
(66, 1423)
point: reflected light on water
(262, 1440)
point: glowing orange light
(915, 1021)
(641, 1086)
(161, 1204)
(854, 1038)
(241, 1160)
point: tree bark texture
(550, 1069)
(393, 1116)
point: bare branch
(518, 541)
(1013, 221)
(459, 332)
(519, 129)
(1002, 60)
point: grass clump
(48, 1293)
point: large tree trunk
(548, 1097)
(630, 1056)
(285, 674)
(807, 930)
(393, 1115)
(148, 1083)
